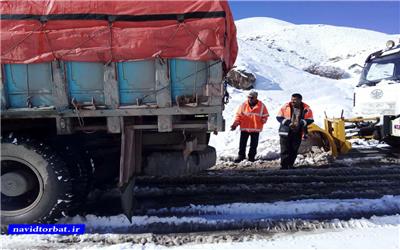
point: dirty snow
(241, 211)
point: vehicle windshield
(384, 68)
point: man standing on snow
(294, 118)
(251, 117)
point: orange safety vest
(251, 119)
(285, 112)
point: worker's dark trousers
(244, 136)
(289, 147)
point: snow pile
(326, 71)
(291, 209)
(315, 157)
(301, 209)
(380, 232)
(359, 143)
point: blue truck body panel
(187, 77)
(85, 82)
(136, 82)
(28, 83)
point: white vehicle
(378, 95)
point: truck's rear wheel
(393, 141)
(173, 163)
(35, 183)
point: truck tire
(207, 158)
(35, 183)
(173, 164)
(393, 142)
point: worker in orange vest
(251, 117)
(294, 117)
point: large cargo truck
(95, 93)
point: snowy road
(346, 205)
(261, 182)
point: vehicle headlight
(389, 44)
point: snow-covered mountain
(277, 53)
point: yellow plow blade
(337, 132)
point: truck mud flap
(131, 155)
(128, 201)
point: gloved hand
(286, 122)
(233, 126)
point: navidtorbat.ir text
(46, 229)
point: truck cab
(377, 94)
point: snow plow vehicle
(375, 102)
(377, 95)
(94, 93)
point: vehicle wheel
(393, 142)
(35, 183)
(207, 158)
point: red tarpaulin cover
(34, 31)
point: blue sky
(383, 16)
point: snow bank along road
(264, 218)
